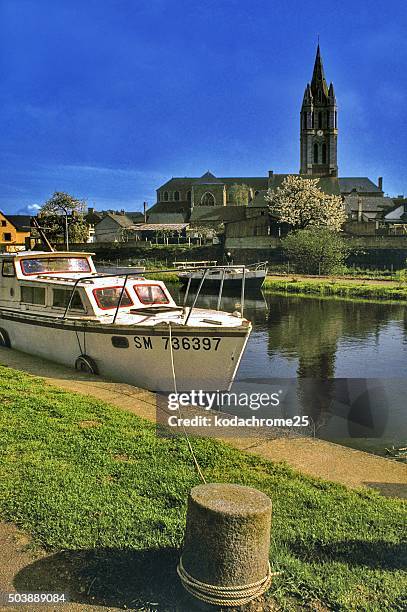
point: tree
(300, 203)
(238, 195)
(62, 217)
(315, 250)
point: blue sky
(108, 99)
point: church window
(176, 196)
(208, 199)
(166, 196)
(312, 119)
(324, 153)
(189, 196)
(320, 120)
(315, 153)
(336, 119)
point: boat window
(108, 298)
(45, 265)
(151, 294)
(61, 297)
(33, 295)
(8, 268)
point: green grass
(337, 287)
(98, 484)
(167, 277)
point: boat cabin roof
(45, 254)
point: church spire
(318, 125)
(318, 76)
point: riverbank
(96, 482)
(335, 285)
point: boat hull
(230, 285)
(204, 358)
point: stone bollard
(225, 561)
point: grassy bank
(336, 286)
(97, 483)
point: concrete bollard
(225, 561)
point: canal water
(341, 362)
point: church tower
(319, 127)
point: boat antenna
(36, 225)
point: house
(15, 230)
(115, 227)
(364, 208)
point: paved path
(315, 457)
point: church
(210, 200)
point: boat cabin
(44, 281)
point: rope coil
(223, 595)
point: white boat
(128, 328)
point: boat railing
(259, 265)
(223, 269)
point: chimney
(360, 209)
(380, 183)
(145, 211)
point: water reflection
(343, 362)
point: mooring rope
(198, 467)
(222, 595)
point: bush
(315, 250)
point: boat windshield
(46, 265)
(151, 294)
(109, 297)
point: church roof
(208, 178)
(328, 184)
(256, 182)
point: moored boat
(229, 277)
(126, 327)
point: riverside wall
(366, 251)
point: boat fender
(4, 338)
(84, 363)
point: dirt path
(25, 569)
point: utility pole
(66, 230)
